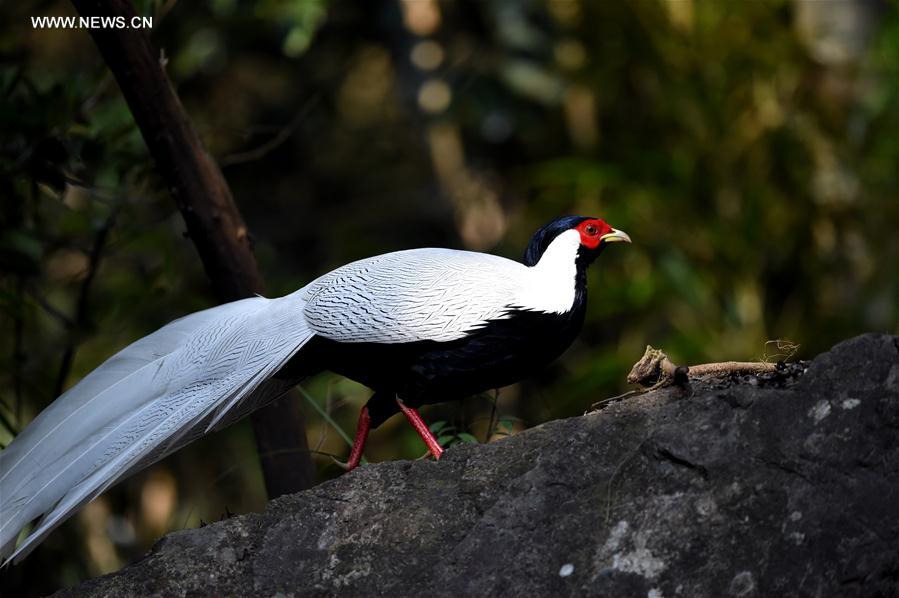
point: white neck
(550, 285)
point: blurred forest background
(749, 148)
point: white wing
(145, 402)
(419, 294)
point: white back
(436, 294)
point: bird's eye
(590, 229)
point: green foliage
(448, 434)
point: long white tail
(143, 403)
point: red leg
(421, 427)
(362, 429)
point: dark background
(750, 149)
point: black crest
(545, 235)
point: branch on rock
(656, 370)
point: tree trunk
(213, 221)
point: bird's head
(583, 236)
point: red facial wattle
(592, 231)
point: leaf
(466, 437)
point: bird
(418, 326)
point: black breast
(500, 353)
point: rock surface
(785, 486)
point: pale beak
(616, 236)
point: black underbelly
(501, 353)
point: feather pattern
(145, 402)
(436, 294)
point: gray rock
(788, 486)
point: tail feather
(142, 404)
(139, 364)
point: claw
(341, 464)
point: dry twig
(656, 370)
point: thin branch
(50, 309)
(82, 312)
(727, 368)
(323, 430)
(598, 405)
(325, 415)
(283, 135)
(492, 421)
(656, 370)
